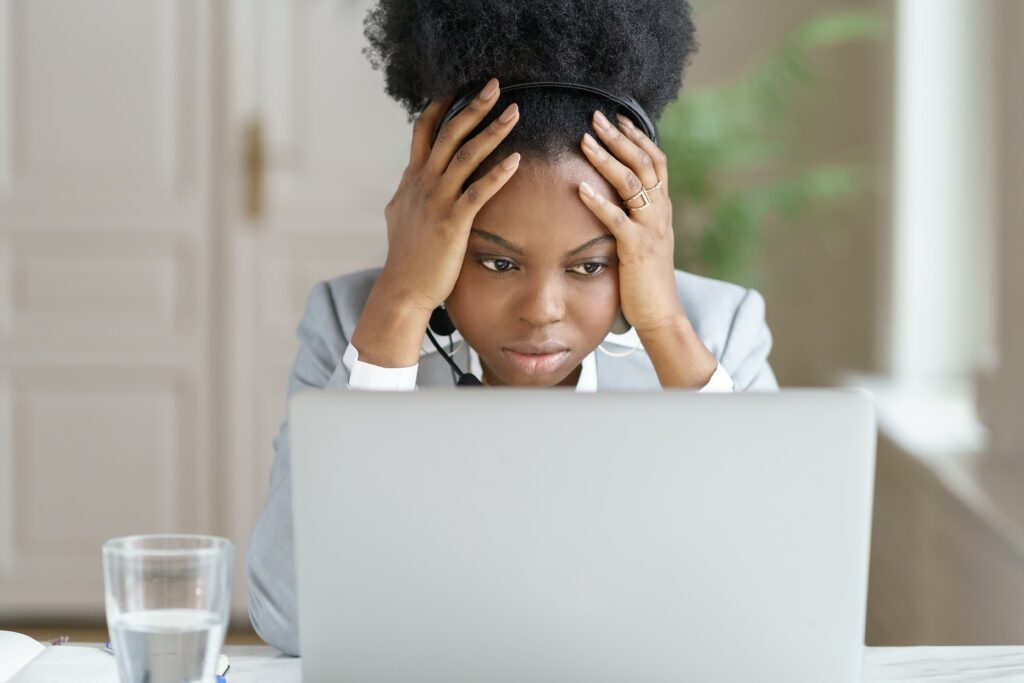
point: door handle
(255, 161)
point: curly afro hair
(436, 48)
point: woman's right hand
(428, 223)
(429, 217)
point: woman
(532, 228)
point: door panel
(104, 254)
(333, 149)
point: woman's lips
(537, 363)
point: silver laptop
(540, 535)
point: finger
(471, 154)
(476, 195)
(423, 129)
(451, 134)
(627, 151)
(641, 139)
(622, 178)
(609, 213)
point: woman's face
(539, 287)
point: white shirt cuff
(375, 378)
(719, 382)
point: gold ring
(652, 189)
(643, 195)
(642, 192)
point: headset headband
(639, 116)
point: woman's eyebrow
(505, 244)
(500, 241)
(589, 244)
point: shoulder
(708, 299)
(730, 320)
(720, 311)
(350, 291)
(338, 302)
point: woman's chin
(534, 381)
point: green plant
(730, 150)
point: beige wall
(1000, 395)
(822, 286)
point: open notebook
(24, 660)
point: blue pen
(222, 668)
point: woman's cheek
(603, 294)
(599, 304)
(471, 304)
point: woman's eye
(588, 268)
(498, 265)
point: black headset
(440, 323)
(638, 113)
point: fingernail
(586, 189)
(511, 162)
(601, 120)
(489, 89)
(590, 141)
(509, 113)
(624, 121)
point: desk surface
(881, 665)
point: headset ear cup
(440, 323)
(621, 325)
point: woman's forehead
(566, 172)
(540, 205)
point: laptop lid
(543, 535)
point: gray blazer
(728, 318)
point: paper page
(16, 651)
(67, 664)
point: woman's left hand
(645, 244)
(644, 239)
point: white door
(104, 255)
(153, 269)
(305, 99)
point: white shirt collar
(587, 381)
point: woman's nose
(542, 304)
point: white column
(943, 212)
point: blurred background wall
(176, 175)
(819, 273)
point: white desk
(252, 664)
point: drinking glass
(167, 605)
